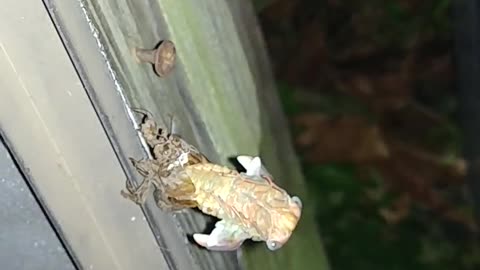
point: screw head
(165, 58)
(162, 58)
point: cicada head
(285, 223)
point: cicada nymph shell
(249, 205)
(173, 190)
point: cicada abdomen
(254, 203)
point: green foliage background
(355, 235)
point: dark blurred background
(371, 91)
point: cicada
(249, 204)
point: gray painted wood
(59, 143)
(27, 241)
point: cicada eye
(273, 245)
(297, 201)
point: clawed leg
(144, 167)
(149, 128)
(145, 113)
(147, 116)
(146, 119)
(138, 194)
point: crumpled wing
(254, 166)
(256, 171)
(225, 237)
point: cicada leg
(143, 167)
(171, 124)
(145, 113)
(161, 199)
(149, 129)
(138, 194)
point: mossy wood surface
(222, 94)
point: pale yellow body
(261, 208)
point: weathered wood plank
(222, 94)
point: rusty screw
(163, 57)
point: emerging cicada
(249, 204)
